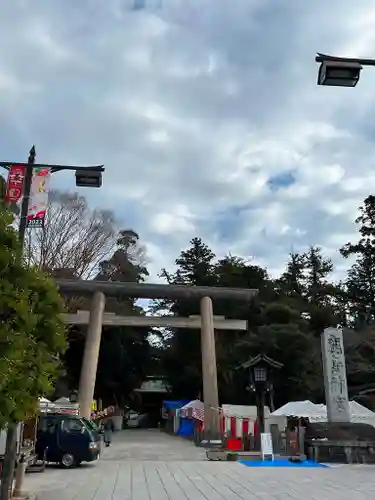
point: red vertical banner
(15, 182)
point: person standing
(107, 431)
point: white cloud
(179, 220)
(194, 108)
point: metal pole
(364, 62)
(9, 462)
(209, 372)
(26, 196)
(91, 355)
(261, 409)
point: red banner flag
(15, 182)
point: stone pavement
(148, 465)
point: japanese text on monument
(336, 367)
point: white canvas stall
(241, 413)
(318, 412)
(44, 401)
(302, 409)
(361, 414)
(45, 405)
(193, 409)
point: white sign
(38, 200)
(266, 445)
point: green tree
(321, 294)
(307, 288)
(360, 282)
(292, 280)
(285, 337)
(32, 338)
(318, 268)
(195, 266)
(127, 262)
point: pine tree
(360, 282)
(195, 266)
(293, 279)
(318, 268)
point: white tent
(62, 401)
(302, 409)
(44, 401)
(194, 409)
(63, 405)
(45, 405)
(318, 412)
(361, 414)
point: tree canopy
(32, 333)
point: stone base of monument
(230, 456)
(211, 441)
(345, 443)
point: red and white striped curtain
(233, 426)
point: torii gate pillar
(209, 371)
(91, 355)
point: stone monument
(334, 370)
(338, 440)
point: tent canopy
(193, 409)
(62, 401)
(196, 403)
(302, 409)
(44, 401)
(318, 412)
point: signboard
(266, 445)
(38, 197)
(335, 384)
(15, 181)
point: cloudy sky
(206, 114)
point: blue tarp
(186, 428)
(281, 463)
(174, 405)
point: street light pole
(26, 196)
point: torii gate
(206, 322)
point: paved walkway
(147, 465)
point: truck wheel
(68, 461)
